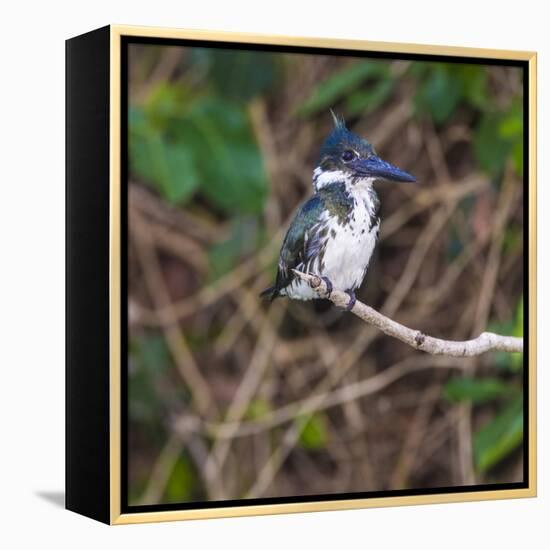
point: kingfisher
(333, 234)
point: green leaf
(181, 482)
(314, 434)
(490, 149)
(228, 159)
(243, 240)
(511, 126)
(339, 84)
(204, 145)
(181, 177)
(240, 75)
(258, 409)
(149, 359)
(499, 137)
(502, 435)
(165, 103)
(152, 352)
(517, 157)
(518, 323)
(513, 239)
(367, 101)
(440, 94)
(511, 123)
(511, 130)
(168, 167)
(443, 87)
(473, 79)
(476, 390)
(516, 359)
(513, 327)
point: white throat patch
(323, 178)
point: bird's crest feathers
(339, 122)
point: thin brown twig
(331, 398)
(417, 431)
(183, 358)
(248, 311)
(187, 223)
(162, 468)
(486, 293)
(163, 71)
(322, 401)
(450, 193)
(245, 393)
(215, 291)
(416, 258)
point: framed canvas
(300, 274)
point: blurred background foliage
(221, 148)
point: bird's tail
(272, 292)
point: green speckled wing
(301, 243)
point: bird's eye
(348, 155)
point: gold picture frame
(108, 508)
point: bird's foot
(329, 286)
(352, 300)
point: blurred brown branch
(486, 341)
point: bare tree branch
(486, 341)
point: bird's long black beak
(375, 167)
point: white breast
(349, 251)
(348, 248)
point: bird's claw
(352, 300)
(329, 286)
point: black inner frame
(125, 42)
